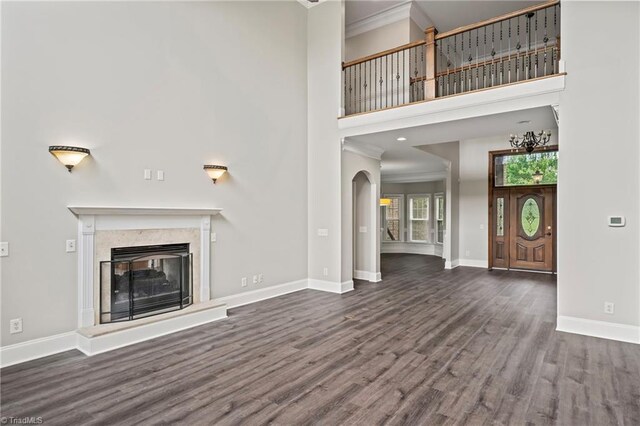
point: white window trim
(428, 219)
(401, 227)
(435, 218)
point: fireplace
(141, 281)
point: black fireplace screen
(144, 281)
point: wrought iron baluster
(501, 56)
(493, 49)
(404, 75)
(397, 79)
(518, 46)
(509, 71)
(369, 85)
(535, 42)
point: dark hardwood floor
(424, 346)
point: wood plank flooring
(424, 346)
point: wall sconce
(385, 202)
(70, 156)
(214, 171)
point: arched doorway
(365, 227)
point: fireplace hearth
(142, 281)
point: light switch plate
(323, 232)
(363, 229)
(147, 174)
(4, 249)
(214, 237)
(160, 175)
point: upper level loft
(515, 47)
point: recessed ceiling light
(524, 122)
(401, 138)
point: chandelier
(530, 140)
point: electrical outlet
(71, 246)
(255, 279)
(482, 226)
(15, 326)
(322, 232)
(363, 229)
(160, 175)
(467, 253)
(608, 308)
(260, 278)
(244, 281)
(4, 249)
(325, 272)
(147, 174)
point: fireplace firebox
(145, 280)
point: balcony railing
(511, 48)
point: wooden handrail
(504, 17)
(383, 53)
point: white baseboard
(330, 286)
(262, 294)
(602, 329)
(346, 286)
(473, 263)
(373, 277)
(408, 248)
(37, 348)
(118, 339)
(451, 264)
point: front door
(531, 230)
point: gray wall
(351, 165)
(599, 133)
(406, 189)
(450, 151)
(325, 37)
(474, 193)
(172, 94)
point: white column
(86, 240)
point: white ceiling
(401, 158)
(445, 15)
(409, 160)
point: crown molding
(363, 149)
(419, 17)
(308, 5)
(390, 15)
(414, 177)
(380, 19)
(556, 113)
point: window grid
(419, 225)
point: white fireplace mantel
(98, 218)
(152, 211)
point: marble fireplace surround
(101, 228)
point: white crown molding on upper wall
(308, 5)
(407, 9)
(414, 177)
(366, 150)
